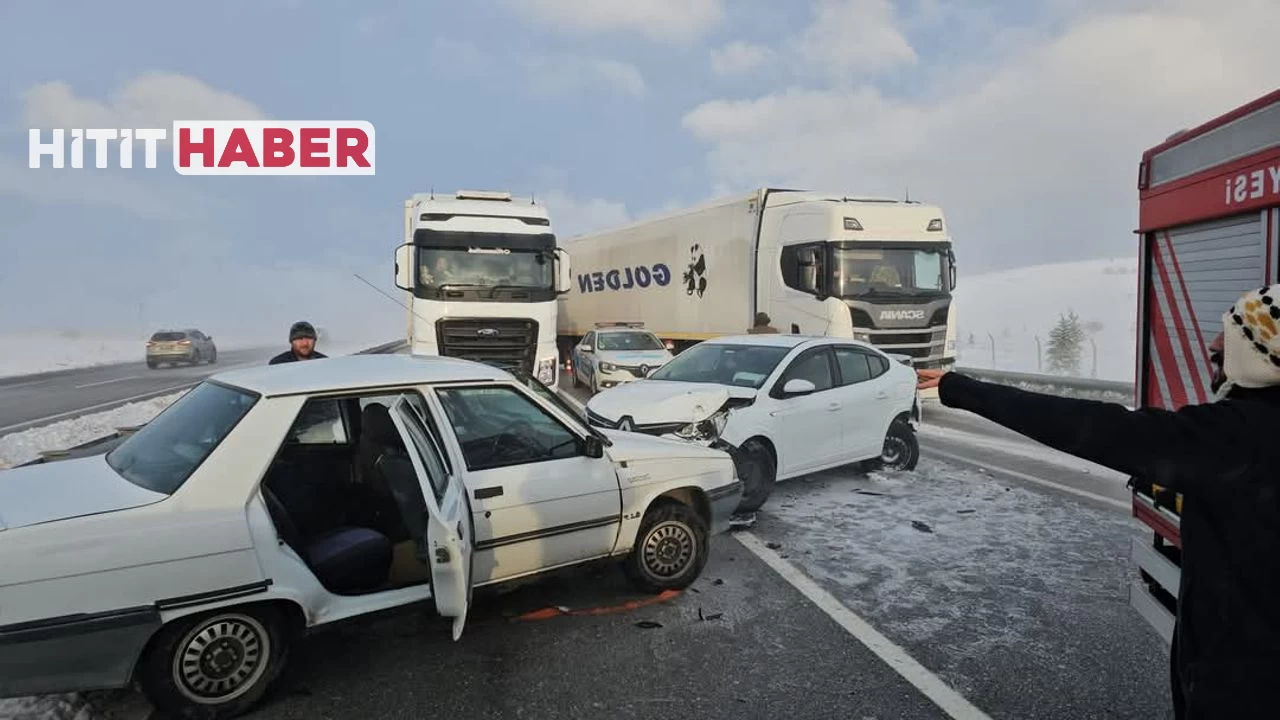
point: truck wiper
(496, 288)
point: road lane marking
(107, 382)
(931, 686)
(1126, 506)
(16, 427)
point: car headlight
(547, 371)
(607, 367)
(708, 429)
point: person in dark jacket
(1226, 647)
(302, 345)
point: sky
(1023, 120)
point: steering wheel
(521, 429)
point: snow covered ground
(17, 448)
(1013, 307)
(33, 352)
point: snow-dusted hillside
(1013, 307)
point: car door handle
(832, 407)
(882, 395)
(482, 493)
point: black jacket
(1219, 456)
(288, 356)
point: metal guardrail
(1072, 383)
(100, 445)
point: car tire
(758, 473)
(576, 379)
(252, 639)
(670, 550)
(901, 449)
(213, 357)
(151, 365)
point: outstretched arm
(1173, 449)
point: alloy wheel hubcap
(222, 658)
(669, 549)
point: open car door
(449, 541)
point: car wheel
(576, 377)
(151, 365)
(213, 357)
(215, 665)
(758, 473)
(671, 548)
(901, 449)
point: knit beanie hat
(1251, 339)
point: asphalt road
(854, 596)
(28, 401)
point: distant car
(782, 405)
(190, 347)
(614, 354)
(271, 500)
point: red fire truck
(1209, 231)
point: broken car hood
(650, 402)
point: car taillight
(184, 342)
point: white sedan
(268, 501)
(782, 405)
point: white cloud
(1034, 158)
(571, 73)
(678, 21)
(150, 100)
(739, 57)
(572, 216)
(854, 37)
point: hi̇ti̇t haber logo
(223, 147)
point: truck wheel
(671, 548)
(758, 473)
(901, 449)
(215, 665)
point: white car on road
(782, 405)
(268, 501)
(617, 353)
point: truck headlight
(708, 429)
(607, 367)
(862, 337)
(547, 371)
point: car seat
(346, 560)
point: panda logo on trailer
(695, 279)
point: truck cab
(887, 263)
(482, 271)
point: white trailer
(482, 272)
(877, 269)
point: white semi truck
(875, 269)
(482, 273)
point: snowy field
(1013, 307)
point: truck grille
(505, 343)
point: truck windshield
(485, 267)
(723, 364)
(163, 454)
(861, 270)
(628, 341)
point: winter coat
(288, 356)
(1219, 456)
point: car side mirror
(404, 267)
(592, 447)
(798, 386)
(584, 348)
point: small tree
(1066, 343)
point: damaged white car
(269, 501)
(781, 405)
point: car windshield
(861, 271)
(163, 454)
(628, 341)
(168, 336)
(724, 364)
